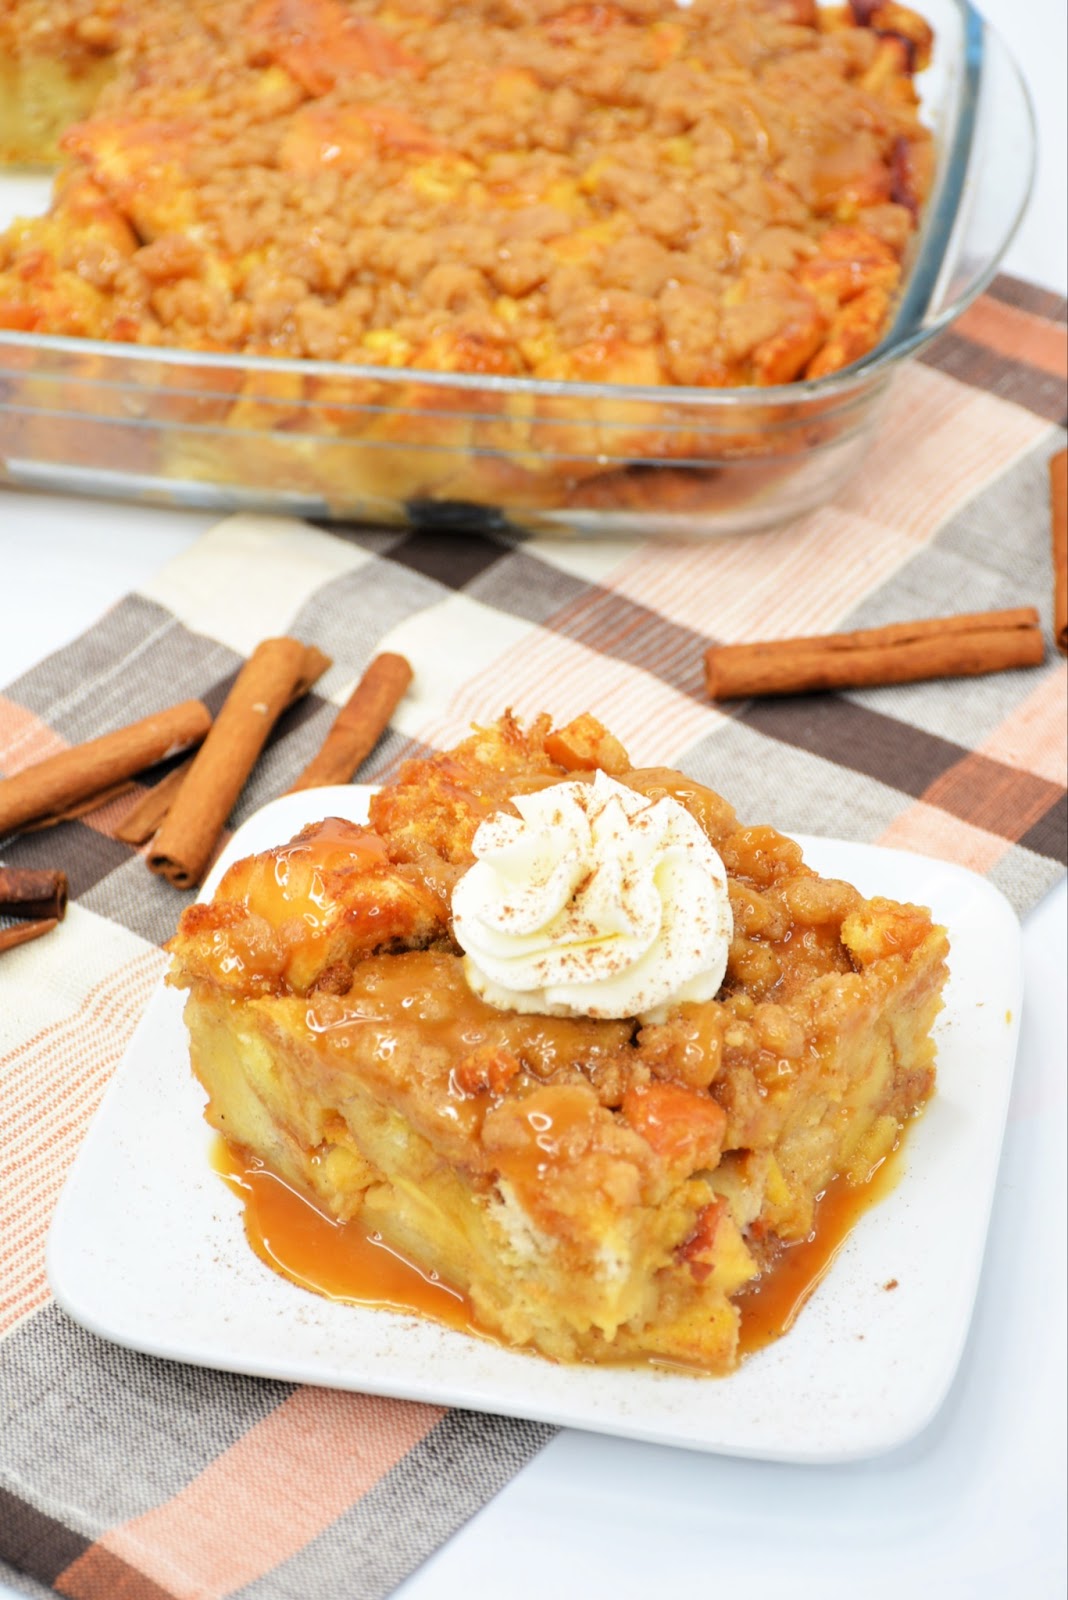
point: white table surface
(972, 1510)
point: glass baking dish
(394, 446)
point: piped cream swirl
(594, 901)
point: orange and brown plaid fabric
(124, 1475)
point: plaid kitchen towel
(127, 1476)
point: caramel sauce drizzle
(342, 1261)
(339, 1260)
(771, 1304)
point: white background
(972, 1510)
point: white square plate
(147, 1246)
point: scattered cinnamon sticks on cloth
(359, 724)
(1058, 485)
(32, 892)
(903, 652)
(38, 897)
(68, 784)
(186, 811)
(276, 674)
(147, 814)
(17, 933)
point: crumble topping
(639, 193)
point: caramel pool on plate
(342, 1261)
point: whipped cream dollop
(594, 901)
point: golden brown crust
(616, 194)
(295, 919)
(634, 194)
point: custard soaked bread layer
(55, 58)
(598, 1189)
(714, 195)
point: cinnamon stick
(146, 815)
(903, 652)
(1058, 485)
(359, 724)
(26, 892)
(47, 790)
(277, 673)
(81, 808)
(23, 932)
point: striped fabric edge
(34, 1543)
(1013, 342)
(345, 1443)
(976, 789)
(1029, 297)
(21, 1583)
(45, 1550)
(360, 1539)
